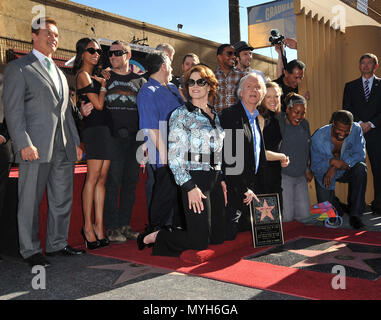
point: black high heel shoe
(102, 242)
(90, 245)
(140, 240)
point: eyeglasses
(117, 53)
(229, 53)
(92, 51)
(199, 82)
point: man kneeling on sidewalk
(338, 155)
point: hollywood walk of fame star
(265, 211)
(130, 271)
(339, 253)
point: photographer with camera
(280, 49)
(290, 76)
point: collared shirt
(226, 94)
(155, 104)
(256, 134)
(192, 131)
(54, 75)
(352, 152)
(369, 84)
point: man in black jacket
(362, 97)
(244, 170)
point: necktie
(49, 66)
(366, 89)
(53, 75)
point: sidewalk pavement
(90, 277)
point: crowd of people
(210, 141)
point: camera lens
(274, 32)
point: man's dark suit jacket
(235, 118)
(354, 101)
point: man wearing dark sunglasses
(122, 89)
(228, 78)
(117, 53)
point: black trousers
(202, 229)
(121, 182)
(238, 217)
(357, 177)
(164, 199)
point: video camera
(276, 37)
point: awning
(59, 61)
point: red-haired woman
(194, 157)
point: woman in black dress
(269, 107)
(96, 138)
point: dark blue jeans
(357, 177)
(122, 177)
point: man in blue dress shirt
(243, 176)
(338, 155)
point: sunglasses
(117, 53)
(229, 53)
(199, 82)
(92, 51)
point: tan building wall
(75, 21)
(374, 7)
(332, 59)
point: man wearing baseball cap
(243, 53)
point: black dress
(272, 136)
(95, 132)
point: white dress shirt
(370, 90)
(54, 75)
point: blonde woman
(271, 106)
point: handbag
(326, 212)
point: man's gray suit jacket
(33, 108)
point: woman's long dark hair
(80, 48)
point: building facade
(76, 21)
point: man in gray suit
(45, 141)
